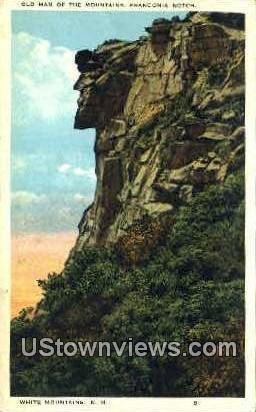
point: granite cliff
(168, 110)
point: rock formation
(168, 111)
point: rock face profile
(168, 110)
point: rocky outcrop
(168, 111)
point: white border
(246, 404)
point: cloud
(79, 198)
(19, 164)
(90, 173)
(43, 78)
(53, 213)
(23, 198)
(77, 171)
(64, 168)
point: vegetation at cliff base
(190, 288)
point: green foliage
(191, 288)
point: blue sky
(53, 176)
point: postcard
(128, 206)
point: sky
(53, 177)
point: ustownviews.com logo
(47, 347)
